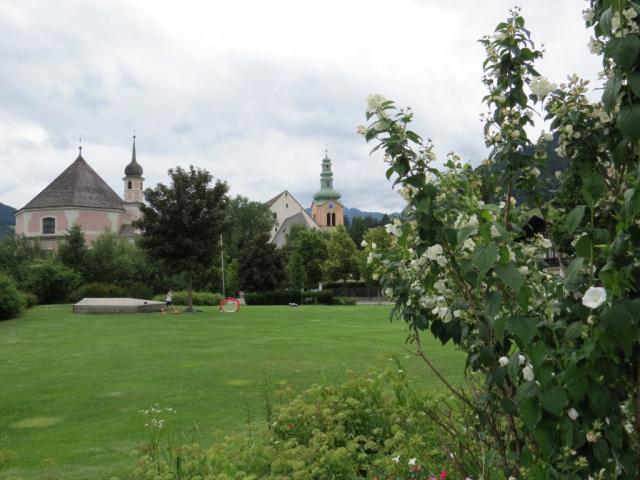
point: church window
(48, 226)
(130, 185)
(333, 219)
(286, 205)
(328, 219)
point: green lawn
(72, 385)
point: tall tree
(181, 223)
(246, 219)
(296, 274)
(260, 265)
(311, 248)
(72, 250)
(341, 260)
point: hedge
(201, 299)
(285, 297)
(12, 302)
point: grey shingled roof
(78, 186)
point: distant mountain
(7, 219)
(350, 213)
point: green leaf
(634, 83)
(531, 412)
(573, 274)
(600, 399)
(484, 258)
(553, 400)
(526, 390)
(492, 307)
(465, 232)
(524, 329)
(624, 50)
(583, 247)
(593, 187)
(574, 218)
(545, 438)
(509, 407)
(629, 122)
(601, 451)
(510, 276)
(523, 297)
(498, 328)
(611, 91)
(576, 382)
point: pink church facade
(80, 196)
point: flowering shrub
(560, 355)
(372, 426)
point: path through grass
(72, 385)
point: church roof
(326, 191)
(78, 186)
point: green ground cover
(72, 385)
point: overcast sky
(253, 91)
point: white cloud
(252, 91)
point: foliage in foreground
(560, 355)
(11, 300)
(372, 426)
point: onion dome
(326, 191)
(134, 169)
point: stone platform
(117, 305)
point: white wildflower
(469, 244)
(374, 102)
(363, 243)
(521, 359)
(375, 276)
(361, 130)
(412, 461)
(434, 251)
(523, 270)
(388, 292)
(573, 414)
(503, 361)
(541, 87)
(527, 373)
(494, 231)
(594, 297)
(396, 459)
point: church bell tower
(133, 186)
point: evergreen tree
(311, 248)
(72, 250)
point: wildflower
(523, 270)
(363, 243)
(469, 245)
(503, 361)
(412, 461)
(594, 297)
(541, 87)
(573, 414)
(396, 459)
(521, 359)
(373, 245)
(527, 373)
(592, 437)
(494, 231)
(374, 102)
(434, 251)
(361, 130)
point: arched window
(130, 185)
(328, 219)
(48, 226)
(333, 219)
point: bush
(31, 299)
(12, 302)
(350, 431)
(285, 297)
(343, 301)
(51, 281)
(97, 290)
(139, 290)
(201, 299)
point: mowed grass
(72, 385)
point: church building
(79, 195)
(327, 211)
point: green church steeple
(326, 191)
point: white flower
(494, 231)
(441, 261)
(373, 245)
(615, 22)
(630, 13)
(527, 373)
(473, 220)
(412, 461)
(469, 245)
(595, 46)
(363, 243)
(521, 359)
(396, 459)
(523, 270)
(375, 276)
(388, 292)
(629, 428)
(440, 286)
(587, 15)
(548, 137)
(374, 102)
(535, 172)
(541, 87)
(500, 99)
(503, 361)
(594, 297)
(434, 251)
(361, 130)
(573, 414)
(546, 243)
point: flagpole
(222, 263)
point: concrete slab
(117, 305)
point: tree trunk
(190, 294)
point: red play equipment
(229, 305)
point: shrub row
(109, 290)
(12, 302)
(199, 298)
(285, 297)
